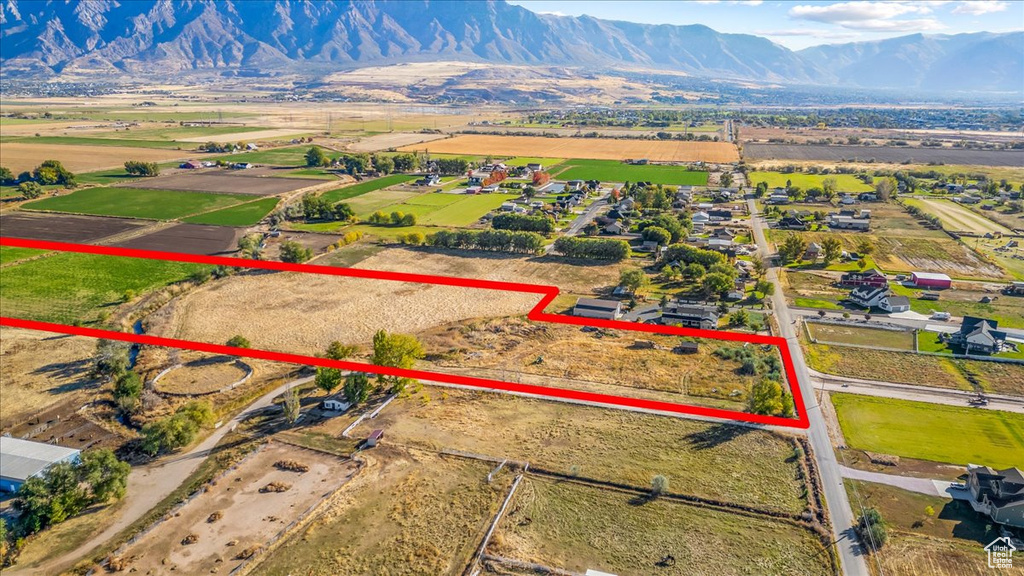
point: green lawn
(816, 303)
(71, 287)
(613, 171)
(844, 182)
(137, 203)
(240, 215)
(366, 186)
(926, 431)
(442, 209)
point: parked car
(944, 316)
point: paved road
(583, 219)
(150, 484)
(851, 553)
(914, 392)
(920, 485)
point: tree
(529, 192)
(139, 168)
(127, 391)
(395, 351)
(251, 246)
(53, 172)
(657, 234)
(829, 188)
(408, 220)
(6, 178)
(30, 190)
(357, 388)
(291, 406)
(106, 476)
(633, 279)
(792, 248)
(327, 379)
(716, 283)
(239, 341)
(694, 271)
(338, 351)
(294, 252)
(764, 287)
(886, 188)
(872, 529)
(384, 164)
(111, 358)
(865, 247)
(738, 318)
(767, 397)
(832, 249)
(760, 268)
(725, 180)
(176, 430)
(315, 157)
(659, 485)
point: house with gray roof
(998, 494)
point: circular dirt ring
(207, 376)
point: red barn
(931, 280)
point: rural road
(851, 553)
(919, 485)
(148, 485)
(913, 392)
(587, 216)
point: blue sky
(801, 23)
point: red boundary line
(548, 293)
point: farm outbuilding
(598, 308)
(931, 280)
(24, 459)
(374, 438)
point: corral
(187, 239)
(20, 156)
(593, 148)
(201, 374)
(222, 182)
(248, 517)
(64, 227)
(896, 155)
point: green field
(284, 156)
(442, 209)
(311, 173)
(859, 336)
(137, 203)
(921, 430)
(612, 171)
(9, 254)
(71, 287)
(240, 215)
(93, 141)
(844, 182)
(366, 186)
(547, 163)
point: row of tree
(592, 248)
(523, 223)
(488, 240)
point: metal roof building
(23, 459)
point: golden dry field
(21, 156)
(592, 148)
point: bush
(659, 485)
(239, 341)
(872, 530)
(177, 430)
(294, 252)
(30, 190)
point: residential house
(998, 494)
(336, 403)
(967, 199)
(847, 199)
(894, 304)
(813, 251)
(790, 223)
(614, 228)
(719, 244)
(597, 308)
(242, 166)
(1014, 289)
(723, 233)
(870, 277)
(626, 205)
(933, 280)
(868, 296)
(507, 207)
(535, 167)
(700, 218)
(574, 185)
(489, 189)
(848, 223)
(720, 214)
(867, 197)
(690, 316)
(429, 180)
(251, 147)
(952, 188)
(979, 335)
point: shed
(686, 348)
(374, 438)
(931, 280)
(24, 459)
(336, 404)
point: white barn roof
(23, 459)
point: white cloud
(735, 2)
(979, 7)
(808, 33)
(876, 16)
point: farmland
(19, 156)
(576, 527)
(844, 182)
(753, 152)
(443, 209)
(348, 192)
(187, 238)
(136, 203)
(245, 214)
(284, 156)
(912, 430)
(224, 182)
(64, 227)
(72, 287)
(956, 217)
(590, 148)
(610, 171)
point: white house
(894, 304)
(868, 296)
(336, 404)
(700, 217)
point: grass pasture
(577, 527)
(283, 156)
(458, 210)
(612, 171)
(245, 214)
(956, 217)
(922, 430)
(349, 192)
(547, 163)
(844, 182)
(136, 203)
(860, 336)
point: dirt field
(593, 148)
(577, 527)
(574, 278)
(188, 239)
(956, 217)
(38, 370)
(64, 227)
(20, 156)
(303, 313)
(276, 134)
(755, 152)
(396, 140)
(249, 517)
(224, 182)
(202, 375)
(406, 512)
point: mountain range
(111, 37)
